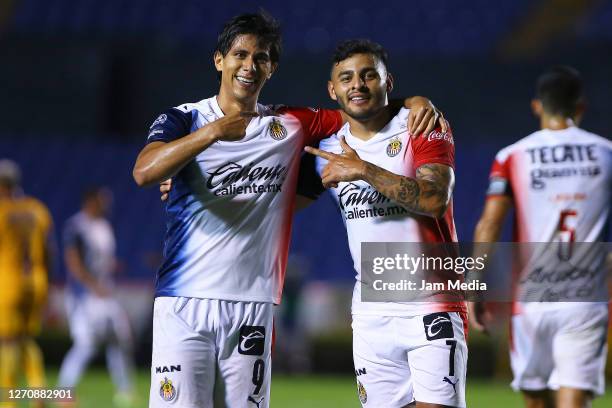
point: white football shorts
(399, 359)
(566, 347)
(94, 320)
(210, 353)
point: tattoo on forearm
(426, 194)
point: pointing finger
(318, 152)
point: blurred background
(82, 80)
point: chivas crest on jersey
(394, 147)
(167, 390)
(277, 130)
(363, 395)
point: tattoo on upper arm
(439, 178)
(426, 194)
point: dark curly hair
(261, 24)
(348, 48)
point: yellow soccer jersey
(25, 224)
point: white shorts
(210, 353)
(399, 360)
(565, 347)
(94, 320)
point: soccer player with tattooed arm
(406, 353)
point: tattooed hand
(347, 166)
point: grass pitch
(96, 391)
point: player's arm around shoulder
(166, 155)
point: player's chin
(360, 112)
(248, 93)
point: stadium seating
(445, 28)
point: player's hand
(479, 316)
(164, 189)
(347, 166)
(424, 117)
(232, 127)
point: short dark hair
(348, 48)
(261, 24)
(560, 90)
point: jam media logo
(167, 391)
(361, 391)
(438, 326)
(394, 147)
(277, 130)
(252, 340)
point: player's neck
(229, 104)
(365, 129)
(92, 213)
(556, 122)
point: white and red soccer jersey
(369, 216)
(230, 209)
(560, 182)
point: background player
(403, 352)
(235, 165)
(95, 317)
(25, 235)
(558, 346)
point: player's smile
(359, 98)
(245, 81)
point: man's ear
(218, 60)
(273, 69)
(389, 82)
(536, 107)
(331, 90)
